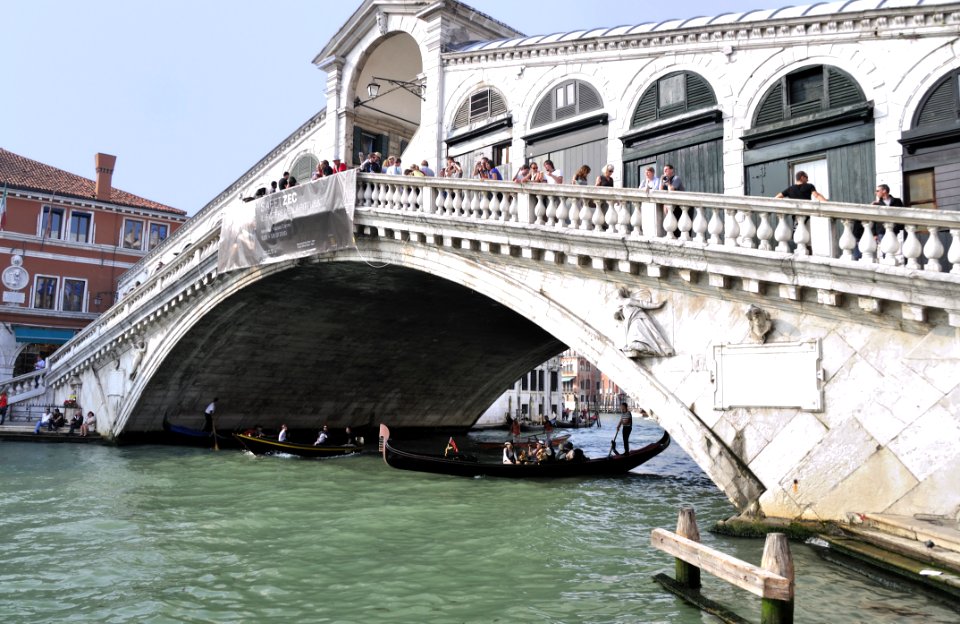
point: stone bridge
(804, 354)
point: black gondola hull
(616, 465)
(263, 446)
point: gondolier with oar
(208, 415)
(626, 425)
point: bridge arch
(499, 324)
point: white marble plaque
(785, 374)
(13, 297)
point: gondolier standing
(625, 424)
(208, 415)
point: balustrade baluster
(419, 196)
(685, 223)
(494, 214)
(636, 219)
(513, 214)
(484, 212)
(551, 212)
(747, 229)
(848, 242)
(669, 222)
(368, 193)
(446, 204)
(868, 243)
(801, 236)
(563, 213)
(912, 248)
(715, 226)
(575, 206)
(623, 218)
(765, 232)
(460, 204)
(586, 215)
(890, 245)
(610, 216)
(953, 255)
(731, 229)
(699, 225)
(382, 198)
(598, 216)
(933, 250)
(405, 198)
(540, 211)
(783, 234)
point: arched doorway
(387, 97)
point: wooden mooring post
(773, 580)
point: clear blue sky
(190, 94)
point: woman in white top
(283, 434)
(509, 455)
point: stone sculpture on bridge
(760, 323)
(643, 338)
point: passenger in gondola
(509, 454)
(551, 452)
(540, 453)
(323, 437)
(282, 437)
(353, 440)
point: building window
(132, 234)
(158, 234)
(805, 91)
(571, 98)
(921, 192)
(481, 105)
(45, 292)
(674, 94)
(304, 167)
(80, 223)
(51, 225)
(74, 291)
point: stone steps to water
(25, 433)
(942, 532)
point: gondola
(263, 446)
(618, 464)
(187, 436)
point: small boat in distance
(618, 464)
(263, 446)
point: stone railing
(849, 233)
(25, 387)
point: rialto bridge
(809, 371)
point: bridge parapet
(755, 242)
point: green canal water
(168, 534)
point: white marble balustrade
(847, 232)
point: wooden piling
(777, 559)
(687, 574)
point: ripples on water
(159, 534)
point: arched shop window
(304, 167)
(806, 91)
(568, 99)
(673, 94)
(483, 104)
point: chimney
(104, 164)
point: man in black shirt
(801, 190)
(884, 198)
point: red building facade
(64, 241)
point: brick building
(64, 241)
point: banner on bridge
(305, 220)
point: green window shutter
(941, 104)
(304, 167)
(699, 93)
(771, 108)
(587, 98)
(842, 89)
(357, 145)
(498, 105)
(462, 118)
(543, 113)
(646, 110)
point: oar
(613, 442)
(213, 425)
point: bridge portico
(456, 288)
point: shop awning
(42, 335)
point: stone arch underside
(344, 344)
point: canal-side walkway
(24, 432)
